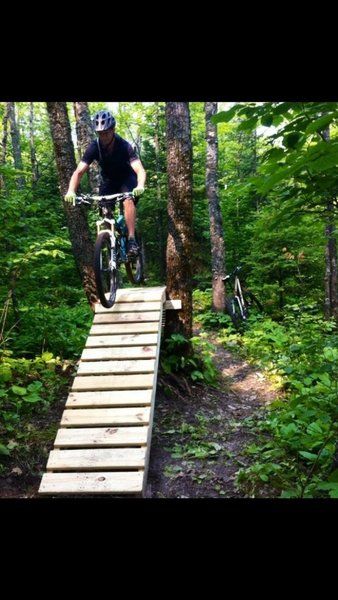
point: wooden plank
(105, 416)
(112, 398)
(126, 317)
(122, 307)
(92, 483)
(100, 458)
(118, 353)
(115, 367)
(173, 304)
(137, 339)
(123, 328)
(152, 404)
(101, 436)
(112, 382)
(135, 295)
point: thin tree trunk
(160, 236)
(34, 164)
(179, 244)
(15, 135)
(330, 278)
(216, 226)
(85, 134)
(78, 227)
(4, 144)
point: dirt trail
(198, 441)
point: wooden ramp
(103, 444)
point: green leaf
(225, 115)
(332, 487)
(19, 391)
(309, 455)
(290, 140)
(32, 398)
(333, 477)
(4, 450)
(325, 379)
(319, 124)
(282, 108)
(35, 386)
(267, 120)
(248, 124)
(289, 494)
(314, 428)
(324, 162)
(46, 356)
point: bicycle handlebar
(88, 198)
(234, 272)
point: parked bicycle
(238, 304)
(111, 246)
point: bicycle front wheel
(134, 265)
(233, 309)
(105, 269)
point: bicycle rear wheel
(134, 265)
(252, 301)
(105, 269)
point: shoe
(133, 248)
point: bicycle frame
(238, 293)
(107, 223)
(239, 297)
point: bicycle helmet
(103, 120)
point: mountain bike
(111, 246)
(238, 304)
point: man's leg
(130, 216)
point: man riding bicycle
(121, 170)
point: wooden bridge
(103, 444)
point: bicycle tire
(134, 265)
(233, 310)
(252, 301)
(105, 275)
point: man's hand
(70, 197)
(138, 191)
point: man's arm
(76, 177)
(137, 166)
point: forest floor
(198, 440)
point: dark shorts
(111, 187)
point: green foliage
(297, 434)
(27, 387)
(198, 366)
(25, 383)
(61, 329)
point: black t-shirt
(115, 167)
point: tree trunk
(79, 232)
(160, 236)
(34, 164)
(85, 134)
(216, 227)
(330, 279)
(4, 144)
(179, 244)
(15, 135)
